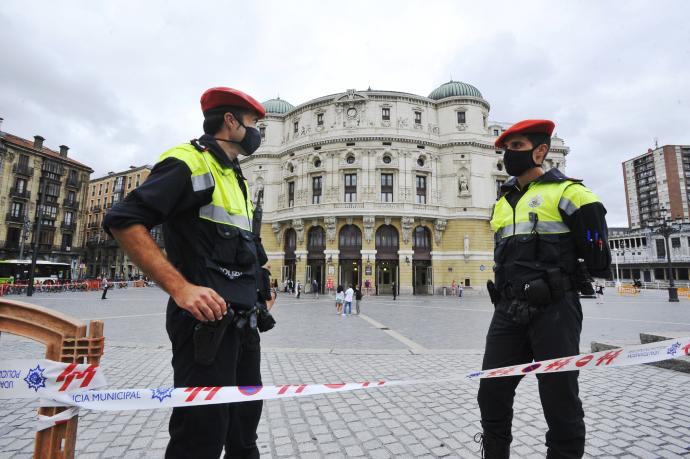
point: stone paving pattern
(639, 411)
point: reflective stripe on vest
(220, 215)
(202, 182)
(526, 228)
(567, 206)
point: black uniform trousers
(201, 432)
(553, 333)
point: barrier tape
(61, 384)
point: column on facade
(405, 253)
(368, 251)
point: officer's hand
(269, 303)
(201, 302)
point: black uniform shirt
(167, 197)
(588, 218)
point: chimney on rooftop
(38, 142)
(63, 150)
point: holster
(494, 294)
(207, 338)
(265, 320)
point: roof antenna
(451, 77)
(656, 143)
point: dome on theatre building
(277, 106)
(454, 89)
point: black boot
(492, 448)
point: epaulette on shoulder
(199, 146)
(554, 175)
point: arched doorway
(290, 244)
(422, 271)
(387, 246)
(316, 244)
(350, 258)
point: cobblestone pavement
(639, 411)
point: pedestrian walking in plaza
(358, 298)
(460, 290)
(367, 286)
(315, 288)
(349, 294)
(395, 290)
(453, 288)
(105, 286)
(339, 299)
(544, 222)
(198, 192)
(298, 289)
(600, 293)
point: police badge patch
(35, 379)
(535, 201)
(161, 393)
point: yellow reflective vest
(532, 237)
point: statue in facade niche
(463, 184)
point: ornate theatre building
(381, 186)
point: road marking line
(415, 347)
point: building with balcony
(656, 179)
(382, 186)
(29, 169)
(103, 255)
(640, 254)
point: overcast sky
(119, 82)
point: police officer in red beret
(197, 192)
(550, 236)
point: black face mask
(519, 161)
(251, 140)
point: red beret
(220, 96)
(526, 127)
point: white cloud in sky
(119, 82)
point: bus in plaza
(47, 272)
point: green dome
(454, 89)
(277, 105)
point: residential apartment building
(657, 179)
(103, 254)
(27, 170)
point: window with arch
(290, 241)
(387, 237)
(421, 238)
(316, 239)
(350, 237)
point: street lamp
(618, 275)
(665, 227)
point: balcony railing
(23, 194)
(13, 218)
(22, 169)
(73, 182)
(92, 225)
(96, 208)
(70, 203)
(68, 226)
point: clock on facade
(352, 112)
